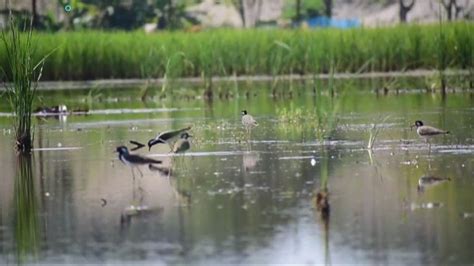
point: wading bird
(248, 121)
(183, 144)
(427, 132)
(134, 160)
(167, 137)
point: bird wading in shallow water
(167, 137)
(134, 160)
(183, 144)
(427, 132)
(248, 121)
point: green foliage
(23, 73)
(374, 132)
(117, 14)
(309, 9)
(104, 55)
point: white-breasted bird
(248, 121)
(427, 131)
(182, 144)
(134, 160)
(167, 137)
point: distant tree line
(453, 8)
(171, 14)
(110, 14)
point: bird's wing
(249, 120)
(429, 131)
(137, 159)
(172, 134)
(254, 121)
(138, 145)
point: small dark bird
(134, 160)
(427, 131)
(182, 145)
(248, 121)
(54, 110)
(167, 137)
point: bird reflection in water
(430, 181)
(321, 202)
(250, 160)
(183, 196)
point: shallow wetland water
(229, 200)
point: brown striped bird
(248, 121)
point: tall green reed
(441, 53)
(22, 73)
(98, 55)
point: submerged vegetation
(224, 52)
(20, 69)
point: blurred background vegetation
(51, 15)
(113, 39)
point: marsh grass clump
(22, 74)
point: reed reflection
(26, 222)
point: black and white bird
(167, 137)
(248, 121)
(426, 132)
(134, 160)
(183, 144)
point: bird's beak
(190, 136)
(151, 143)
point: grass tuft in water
(374, 132)
(23, 74)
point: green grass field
(104, 55)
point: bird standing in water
(134, 160)
(167, 137)
(248, 121)
(183, 144)
(427, 132)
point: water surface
(232, 199)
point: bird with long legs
(248, 122)
(427, 132)
(167, 137)
(134, 160)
